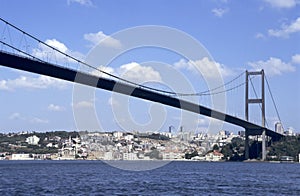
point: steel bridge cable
(219, 92)
(83, 63)
(21, 51)
(274, 104)
(207, 92)
(119, 78)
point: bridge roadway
(48, 69)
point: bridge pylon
(261, 101)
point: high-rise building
(279, 128)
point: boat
(286, 159)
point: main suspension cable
(207, 92)
(274, 103)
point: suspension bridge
(18, 56)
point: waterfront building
(198, 158)
(108, 156)
(286, 159)
(214, 156)
(130, 156)
(67, 152)
(22, 157)
(171, 155)
(71, 149)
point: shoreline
(175, 160)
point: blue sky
(238, 36)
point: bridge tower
(261, 101)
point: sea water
(175, 178)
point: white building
(198, 158)
(118, 134)
(290, 132)
(129, 137)
(33, 140)
(51, 145)
(130, 156)
(214, 156)
(108, 156)
(22, 157)
(169, 135)
(171, 155)
(279, 128)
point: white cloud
(296, 59)
(208, 68)
(138, 73)
(47, 54)
(131, 71)
(36, 120)
(259, 36)
(286, 30)
(81, 2)
(56, 44)
(3, 85)
(83, 104)
(41, 82)
(106, 69)
(55, 108)
(273, 66)
(183, 64)
(282, 3)
(15, 116)
(105, 40)
(219, 12)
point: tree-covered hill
(16, 142)
(287, 146)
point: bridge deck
(44, 68)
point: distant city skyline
(258, 35)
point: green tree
(216, 147)
(234, 151)
(287, 146)
(227, 151)
(191, 155)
